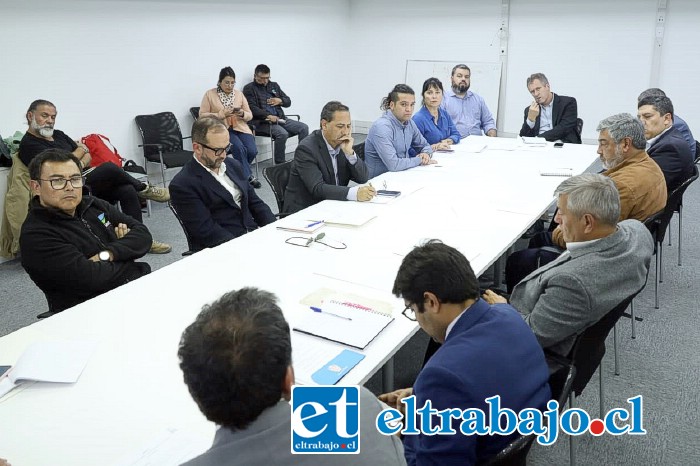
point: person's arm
(526, 129)
(261, 212)
(196, 217)
(247, 114)
(211, 109)
(567, 123)
(451, 128)
(384, 145)
(307, 165)
(562, 310)
(286, 100)
(255, 106)
(487, 122)
(135, 244)
(418, 142)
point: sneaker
(254, 181)
(159, 248)
(155, 193)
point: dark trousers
(113, 184)
(281, 133)
(521, 263)
(243, 149)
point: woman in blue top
(433, 122)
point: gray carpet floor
(662, 363)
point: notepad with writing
(343, 321)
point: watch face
(104, 256)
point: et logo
(325, 420)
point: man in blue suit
(211, 195)
(486, 350)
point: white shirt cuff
(531, 124)
(352, 192)
(351, 158)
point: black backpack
(5, 156)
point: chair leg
(602, 392)
(572, 446)
(680, 231)
(661, 262)
(162, 167)
(272, 148)
(634, 320)
(616, 353)
(669, 230)
(656, 281)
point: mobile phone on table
(558, 145)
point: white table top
(132, 388)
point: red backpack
(101, 150)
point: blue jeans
(243, 149)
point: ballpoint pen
(319, 310)
(313, 224)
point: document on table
(320, 362)
(171, 447)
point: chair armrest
(298, 117)
(159, 146)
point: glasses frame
(406, 311)
(65, 181)
(217, 152)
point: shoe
(254, 181)
(159, 248)
(155, 193)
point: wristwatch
(104, 256)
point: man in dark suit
(211, 195)
(665, 144)
(486, 350)
(325, 162)
(550, 116)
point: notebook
(300, 226)
(344, 322)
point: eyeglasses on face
(76, 181)
(409, 313)
(217, 151)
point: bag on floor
(101, 150)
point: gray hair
(203, 126)
(624, 125)
(543, 79)
(592, 193)
(651, 92)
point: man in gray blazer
(325, 162)
(236, 359)
(605, 262)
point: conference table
(130, 403)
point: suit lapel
(326, 157)
(556, 108)
(208, 182)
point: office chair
(194, 111)
(162, 141)
(265, 134)
(579, 129)
(190, 250)
(277, 176)
(359, 150)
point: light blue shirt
(469, 113)
(545, 117)
(388, 143)
(682, 126)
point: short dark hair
(461, 66)
(50, 155)
(652, 91)
(543, 79)
(394, 95)
(661, 104)
(234, 357)
(262, 69)
(439, 269)
(328, 110)
(226, 72)
(431, 83)
(34, 105)
(202, 126)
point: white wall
(103, 62)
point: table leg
(388, 376)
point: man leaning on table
(550, 116)
(392, 136)
(486, 350)
(76, 247)
(605, 263)
(467, 109)
(638, 179)
(325, 162)
(236, 359)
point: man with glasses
(211, 194)
(76, 247)
(486, 350)
(266, 99)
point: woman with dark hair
(230, 106)
(434, 123)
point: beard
(615, 161)
(45, 131)
(460, 88)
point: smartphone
(558, 145)
(4, 369)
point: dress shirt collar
(222, 168)
(653, 140)
(452, 324)
(390, 115)
(580, 244)
(331, 150)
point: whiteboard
(485, 78)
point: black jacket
(564, 120)
(257, 96)
(670, 151)
(56, 250)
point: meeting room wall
(600, 52)
(103, 62)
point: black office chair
(190, 250)
(579, 129)
(359, 150)
(277, 176)
(260, 131)
(697, 151)
(679, 211)
(194, 111)
(162, 141)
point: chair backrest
(160, 128)
(661, 220)
(579, 128)
(359, 150)
(589, 347)
(194, 111)
(187, 235)
(697, 151)
(277, 177)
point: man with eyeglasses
(76, 247)
(486, 350)
(266, 99)
(211, 194)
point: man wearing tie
(325, 162)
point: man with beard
(550, 116)
(467, 109)
(106, 181)
(639, 180)
(212, 196)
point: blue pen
(318, 309)
(314, 223)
